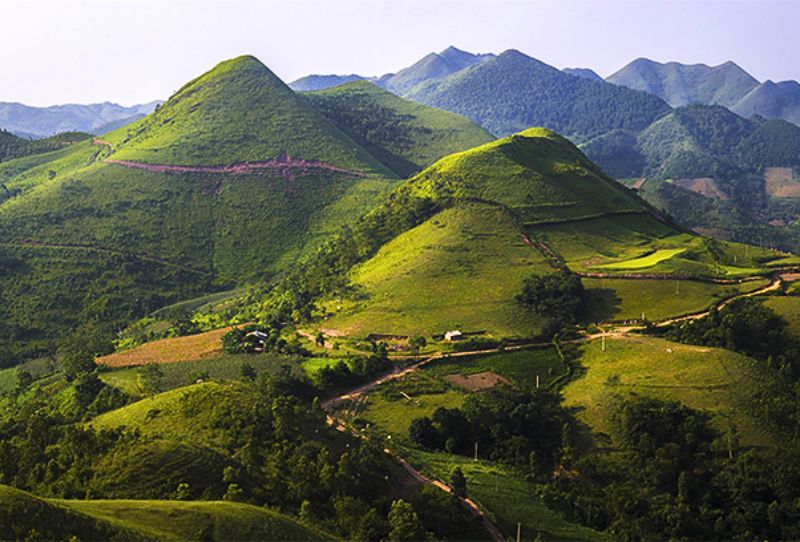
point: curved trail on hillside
(282, 163)
(331, 404)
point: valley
(476, 298)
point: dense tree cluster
(523, 429)
(559, 297)
(679, 479)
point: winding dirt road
(281, 163)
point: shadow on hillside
(601, 304)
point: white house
(453, 336)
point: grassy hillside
(24, 516)
(128, 241)
(239, 111)
(709, 379)
(459, 270)
(512, 92)
(12, 146)
(404, 135)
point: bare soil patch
(477, 381)
(781, 183)
(704, 186)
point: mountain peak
(238, 111)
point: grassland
(183, 373)
(715, 380)
(239, 111)
(459, 270)
(22, 514)
(787, 307)
(621, 299)
(504, 495)
(645, 261)
(521, 367)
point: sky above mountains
(81, 51)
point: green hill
(451, 247)
(24, 516)
(512, 91)
(89, 241)
(404, 135)
(684, 84)
(237, 112)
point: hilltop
(404, 135)
(772, 100)
(239, 111)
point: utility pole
(476, 451)
(537, 382)
(519, 531)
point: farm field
(711, 379)
(620, 299)
(183, 373)
(645, 261)
(459, 270)
(172, 350)
(507, 496)
(520, 367)
(389, 411)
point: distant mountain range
(726, 84)
(36, 122)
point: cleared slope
(404, 135)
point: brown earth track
(283, 163)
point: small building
(453, 336)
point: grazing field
(183, 373)
(645, 261)
(393, 406)
(176, 349)
(520, 367)
(712, 379)
(787, 307)
(143, 520)
(620, 299)
(459, 270)
(180, 413)
(505, 495)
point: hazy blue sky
(58, 51)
